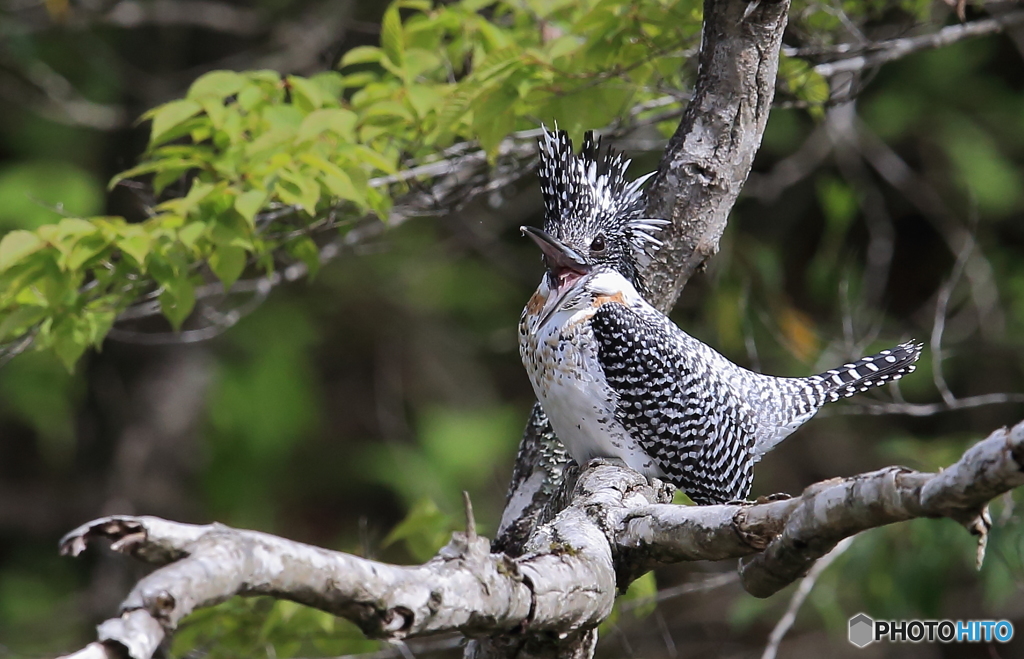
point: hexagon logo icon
(862, 630)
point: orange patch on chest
(602, 300)
(535, 304)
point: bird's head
(593, 216)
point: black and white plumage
(589, 204)
(618, 379)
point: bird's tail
(867, 372)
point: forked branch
(617, 527)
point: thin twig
(927, 409)
(800, 596)
(470, 520)
(711, 583)
(939, 322)
(880, 52)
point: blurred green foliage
(262, 626)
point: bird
(616, 377)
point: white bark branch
(550, 599)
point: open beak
(565, 268)
(561, 260)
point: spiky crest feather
(588, 194)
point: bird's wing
(675, 402)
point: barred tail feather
(867, 372)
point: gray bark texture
(549, 601)
(571, 537)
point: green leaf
(169, 116)
(98, 321)
(136, 243)
(339, 121)
(424, 98)
(249, 203)
(215, 110)
(336, 180)
(228, 262)
(18, 322)
(176, 165)
(375, 159)
(69, 338)
(304, 249)
(230, 230)
(16, 245)
(298, 189)
(389, 110)
(392, 37)
(177, 300)
(85, 249)
(216, 84)
(495, 118)
(424, 530)
(305, 94)
(362, 55)
(191, 232)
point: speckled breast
(561, 361)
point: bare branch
(939, 322)
(860, 56)
(831, 511)
(799, 597)
(793, 533)
(617, 527)
(710, 154)
(216, 16)
(929, 409)
(54, 97)
(565, 584)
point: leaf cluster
(261, 163)
(266, 161)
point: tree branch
(547, 602)
(709, 156)
(860, 56)
(794, 533)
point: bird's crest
(588, 194)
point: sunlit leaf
(169, 116)
(216, 84)
(228, 262)
(16, 245)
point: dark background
(392, 381)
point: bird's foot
(766, 498)
(610, 462)
(778, 496)
(664, 492)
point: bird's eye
(598, 244)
